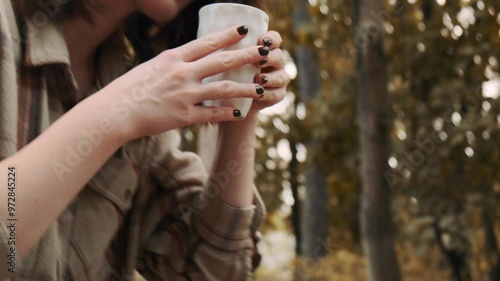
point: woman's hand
(166, 92)
(273, 76)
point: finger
(208, 44)
(214, 114)
(276, 59)
(227, 90)
(272, 39)
(275, 79)
(227, 60)
(272, 97)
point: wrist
(113, 117)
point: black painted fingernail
(267, 42)
(237, 113)
(263, 62)
(260, 89)
(242, 30)
(264, 51)
(264, 79)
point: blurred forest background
(383, 161)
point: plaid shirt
(175, 239)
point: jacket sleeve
(190, 233)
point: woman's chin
(162, 18)
(163, 11)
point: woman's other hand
(273, 78)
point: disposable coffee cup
(218, 17)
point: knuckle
(165, 55)
(269, 96)
(280, 95)
(277, 38)
(210, 42)
(250, 54)
(181, 74)
(189, 92)
(170, 55)
(281, 79)
(226, 88)
(274, 97)
(286, 78)
(216, 115)
(229, 35)
(281, 58)
(282, 61)
(226, 59)
(185, 115)
(190, 115)
(279, 41)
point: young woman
(92, 183)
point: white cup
(218, 17)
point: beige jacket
(179, 237)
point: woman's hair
(146, 38)
(56, 9)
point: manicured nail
(264, 51)
(267, 42)
(260, 90)
(242, 30)
(263, 62)
(237, 113)
(264, 79)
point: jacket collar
(45, 45)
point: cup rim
(232, 4)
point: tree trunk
(297, 205)
(377, 232)
(315, 223)
(492, 250)
(306, 59)
(457, 258)
(314, 226)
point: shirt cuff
(9, 259)
(225, 227)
